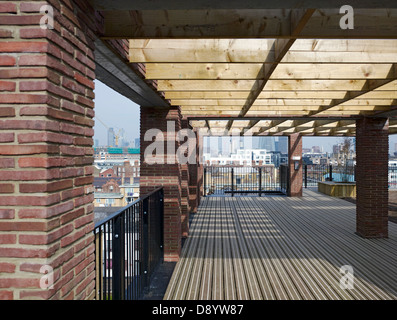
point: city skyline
(118, 112)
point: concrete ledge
(338, 189)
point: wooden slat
(201, 50)
(244, 71)
(230, 291)
(203, 71)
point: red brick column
(372, 152)
(193, 180)
(46, 155)
(200, 174)
(295, 150)
(164, 174)
(185, 189)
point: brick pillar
(372, 152)
(164, 174)
(185, 207)
(295, 150)
(193, 180)
(46, 154)
(200, 167)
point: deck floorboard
(280, 248)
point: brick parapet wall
(46, 154)
(372, 154)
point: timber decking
(281, 248)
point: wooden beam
(246, 23)
(184, 95)
(298, 21)
(370, 85)
(339, 57)
(332, 71)
(206, 85)
(303, 108)
(282, 102)
(368, 23)
(315, 85)
(270, 118)
(203, 71)
(164, 24)
(125, 5)
(252, 71)
(261, 102)
(201, 50)
(281, 48)
(240, 95)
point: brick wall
(167, 175)
(295, 149)
(46, 155)
(372, 149)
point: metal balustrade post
(118, 267)
(161, 217)
(145, 241)
(260, 182)
(305, 171)
(205, 182)
(330, 172)
(354, 173)
(232, 174)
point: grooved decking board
(275, 247)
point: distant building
(115, 191)
(282, 145)
(111, 138)
(279, 158)
(337, 148)
(316, 149)
(242, 156)
(267, 143)
(104, 155)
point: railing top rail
(237, 165)
(117, 213)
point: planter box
(338, 189)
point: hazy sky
(118, 112)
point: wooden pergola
(299, 72)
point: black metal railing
(313, 173)
(129, 246)
(284, 178)
(231, 180)
(392, 177)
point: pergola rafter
(292, 76)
